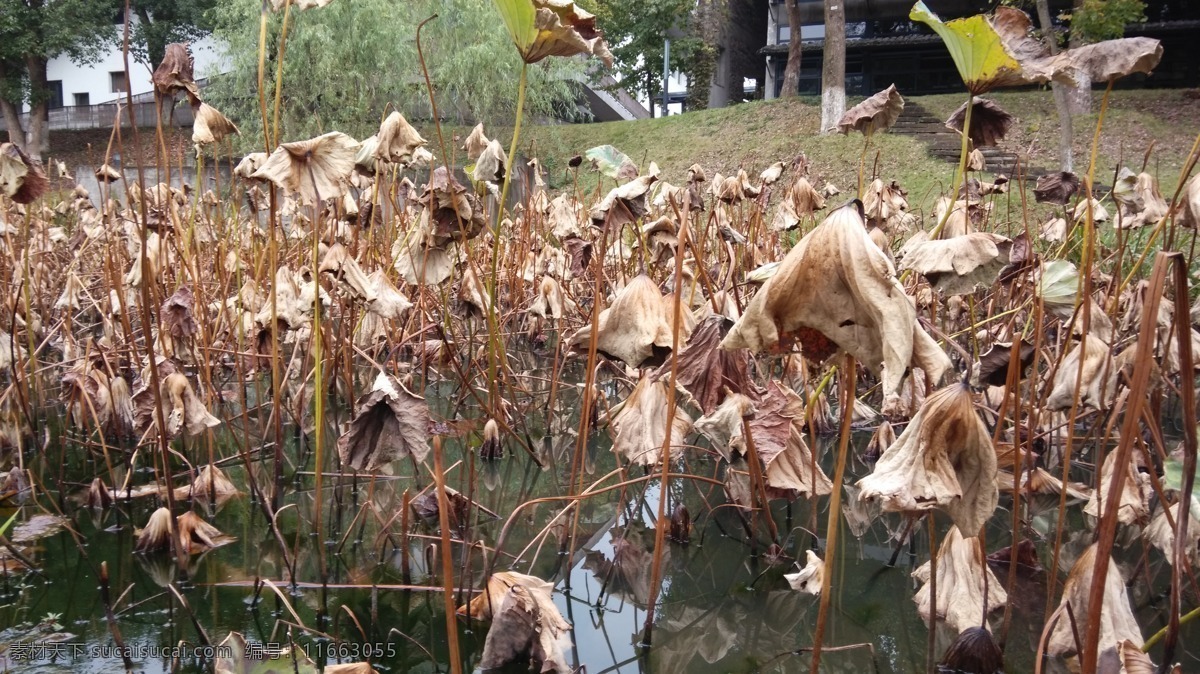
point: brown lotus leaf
(799, 201)
(877, 113)
(176, 72)
(707, 371)
(723, 426)
(525, 622)
(107, 174)
(491, 165)
(21, 178)
(790, 468)
(196, 535)
(1117, 622)
(337, 261)
(1053, 230)
(95, 400)
(1107, 60)
(624, 204)
(943, 459)
(562, 29)
(734, 189)
(475, 142)
(1130, 659)
(187, 410)
(1025, 558)
(551, 300)
(426, 507)
(473, 296)
(315, 169)
(627, 574)
(1040, 481)
(809, 579)
(964, 595)
(885, 205)
(422, 265)
(883, 437)
(210, 484)
(974, 650)
(1090, 364)
(397, 140)
(993, 365)
(957, 265)
(1056, 188)
(771, 174)
(1140, 202)
(1099, 213)
(1133, 505)
(838, 284)
(639, 428)
(564, 216)
(1161, 534)
(1187, 213)
(177, 317)
(157, 533)
(250, 164)
(454, 212)
(989, 122)
(210, 126)
(636, 328)
(390, 423)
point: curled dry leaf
(210, 126)
(454, 213)
(250, 164)
(989, 122)
(157, 533)
(1056, 188)
(943, 459)
(389, 424)
(992, 368)
(707, 371)
(1091, 365)
(491, 165)
(525, 622)
(624, 204)
(877, 113)
(1188, 213)
(837, 285)
(811, 577)
(210, 485)
(397, 140)
(1133, 505)
(636, 328)
(176, 72)
(315, 169)
(1161, 534)
(475, 142)
(771, 173)
(964, 595)
(558, 28)
(551, 300)
(1115, 614)
(974, 650)
(196, 535)
(21, 178)
(799, 201)
(639, 428)
(957, 265)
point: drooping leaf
(877, 113)
(978, 52)
(389, 423)
(611, 162)
(989, 122)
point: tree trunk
(1066, 133)
(12, 110)
(833, 73)
(791, 74)
(1079, 98)
(39, 127)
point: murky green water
(724, 606)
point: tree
(833, 72)
(346, 63)
(31, 33)
(1094, 21)
(791, 73)
(161, 22)
(636, 31)
(1066, 133)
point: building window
(54, 100)
(82, 100)
(118, 82)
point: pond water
(724, 605)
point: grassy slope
(1136, 119)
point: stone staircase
(919, 123)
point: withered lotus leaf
(107, 174)
(177, 316)
(624, 204)
(771, 173)
(315, 169)
(1133, 503)
(176, 72)
(187, 410)
(562, 29)
(799, 201)
(1091, 365)
(21, 178)
(196, 535)
(992, 368)
(551, 300)
(639, 428)
(1188, 214)
(250, 164)
(811, 577)
(961, 598)
(707, 371)
(454, 213)
(389, 424)
(1117, 622)
(837, 284)
(790, 468)
(943, 459)
(1056, 188)
(959, 264)
(525, 622)
(211, 483)
(723, 426)
(877, 113)
(636, 328)
(397, 140)
(210, 126)
(475, 142)
(1161, 534)
(157, 533)
(989, 122)
(492, 164)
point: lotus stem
(960, 176)
(439, 477)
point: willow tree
(344, 65)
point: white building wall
(94, 79)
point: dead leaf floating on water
(961, 596)
(389, 424)
(944, 459)
(525, 622)
(836, 284)
(811, 577)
